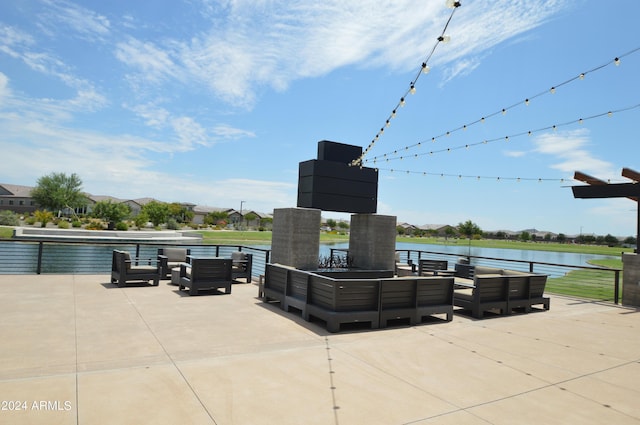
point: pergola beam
(586, 178)
(631, 174)
(600, 189)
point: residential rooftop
(79, 350)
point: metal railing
(593, 282)
(77, 257)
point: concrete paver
(76, 349)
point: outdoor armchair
(170, 258)
(206, 273)
(242, 264)
(126, 269)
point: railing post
(137, 253)
(616, 288)
(39, 266)
(530, 266)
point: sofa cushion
(175, 255)
(238, 256)
(514, 273)
(486, 270)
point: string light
(529, 133)
(526, 101)
(478, 177)
(424, 69)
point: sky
(216, 102)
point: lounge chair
(206, 273)
(242, 265)
(126, 269)
(170, 258)
(430, 267)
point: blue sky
(216, 102)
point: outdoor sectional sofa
(373, 296)
(486, 288)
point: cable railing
(77, 257)
(591, 282)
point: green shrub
(63, 224)
(172, 224)
(121, 225)
(94, 225)
(76, 223)
(31, 220)
(9, 218)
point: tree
(180, 213)
(525, 236)
(158, 212)
(264, 221)
(249, 217)
(611, 240)
(469, 229)
(58, 191)
(216, 217)
(449, 232)
(331, 223)
(112, 212)
(562, 238)
(343, 225)
(141, 219)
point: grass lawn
(594, 284)
(6, 232)
(534, 246)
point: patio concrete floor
(75, 349)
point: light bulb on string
(412, 90)
(393, 113)
(402, 102)
(553, 90)
(444, 39)
(582, 76)
(451, 4)
(617, 61)
(526, 102)
(425, 68)
(504, 111)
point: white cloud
(153, 63)
(570, 149)
(515, 154)
(272, 43)
(4, 87)
(70, 16)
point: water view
(22, 258)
